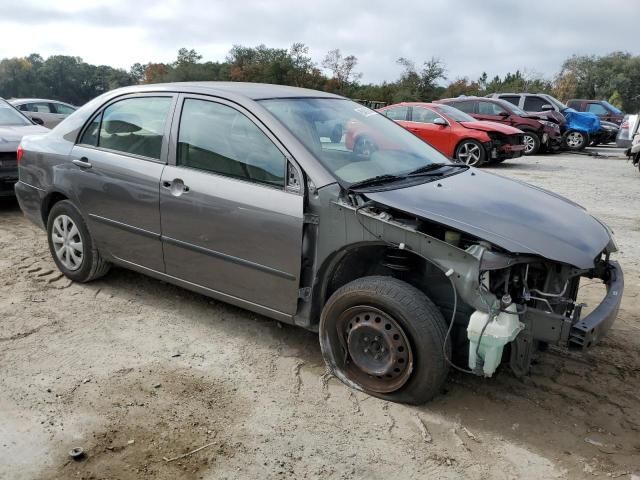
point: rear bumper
(589, 330)
(30, 200)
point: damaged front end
(521, 300)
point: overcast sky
(469, 36)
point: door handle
(176, 186)
(82, 163)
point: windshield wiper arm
(434, 166)
(377, 180)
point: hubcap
(574, 139)
(469, 153)
(529, 144)
(67, 242)
(379, 356)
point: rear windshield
(9, 116)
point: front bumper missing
(589, 330)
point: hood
(491, 127)
(513, 215)
(550, 115)
(11, 135)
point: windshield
(612, 108)
(354, 142)
(453, 113)
(10, 116)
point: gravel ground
(138, 372)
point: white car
(48, 113)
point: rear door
(115, 174)
(230, 221)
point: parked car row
(402, 260)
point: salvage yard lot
(136, 372)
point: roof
(254, 91)
(19, 101)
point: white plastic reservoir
(500, 330)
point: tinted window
(63, 109)
(534, 104)
(397, 113)
(135, 126)
(219, 139)
(515, 99)
(424, 115)
(466, 107)
(597, 109)
(489, 108)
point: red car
(456, 134)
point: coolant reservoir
(486, 352)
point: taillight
(19, 153)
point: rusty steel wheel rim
(378, 355)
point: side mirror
(37, 120)
(440, 121)
(547, 108)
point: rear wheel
(71, 245)
(575, 140)
(471, 152)
(531, 143)
(385, 337)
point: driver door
(438, 136)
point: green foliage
(615, 77)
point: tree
(419, 86)
(341, 68)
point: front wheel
(471, 152)
(575, 140)
(531, 143)
(386, 338)
(71, 245)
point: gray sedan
(42, 111)
(394, 255)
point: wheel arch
(49, 201)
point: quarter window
(396, 113)
(219, 139)
(135, 126)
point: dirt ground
(138, 372)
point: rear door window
(217, 138)
(489, 108)
(466, 107)
(135, 126)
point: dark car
(601, 108)
(539, 132)
(393, 257)
(13, 126)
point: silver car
(48, 113)
(393, 253)
(13, 126)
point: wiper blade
(377, 180)
(434, 166)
